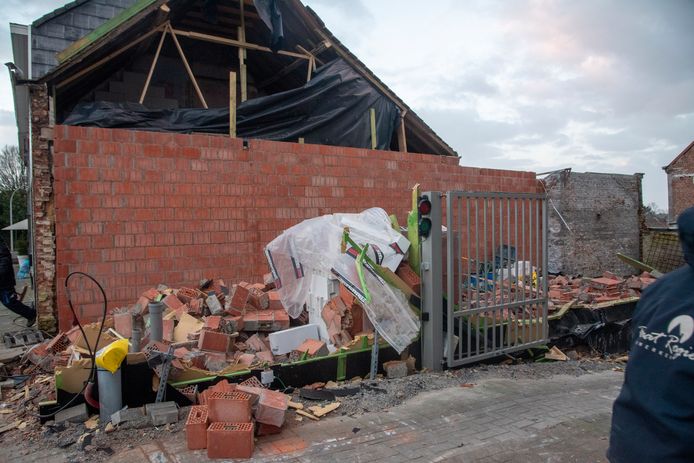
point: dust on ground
(94, 445)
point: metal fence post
(432, 289)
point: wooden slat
(154, 65)
(374, 140)
(187, 66)
(402, 138)
(232, 104)
(107, 58)
(234, 43)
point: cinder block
(214, 341)
(271, 408)
(76, 414)
(395, 369)
(196, 427)
(159, 406)
(164, 416)
(230, 440)
(127, 414)
(214, 305)
(233, 407)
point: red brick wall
(681, 184)
(137, 208)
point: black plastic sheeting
(270, 13)
(331, 109)
(607, 330)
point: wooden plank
(372, 116)
(321, 47)
(108, 57)
(402, 138)
(307, 415)
(232, 104)
(187, 66)
(310, 69)
(234, 43)
(151, 68)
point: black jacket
(7, 280)
(653, 417)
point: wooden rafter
(234, 43)
(154, 65)
(187, 66)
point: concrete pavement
(560, 419)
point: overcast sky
(605, 86)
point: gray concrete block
(127, 414)
(161, 417)
(153, 407)
(76, 414)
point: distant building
(680, 182)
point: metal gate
(492, 276)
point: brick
(265, 356)
(196, 427)
(239, 297)
(395, 369)
(168, 329)
(266, 320)
(230, 440)
(267, 429)
(214, 341)
(213, 322)
(274, 302)
(313, 347)
(172, 302)
(410, 277)
(257, 298)
(234, 407)
(271, 408)
(58, 344)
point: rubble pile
(587, 291)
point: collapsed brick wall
(43, 210)
(137, 208)
(680, 177)
(603, 213)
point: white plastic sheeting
(314, 247)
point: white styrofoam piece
(285, 341)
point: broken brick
(230, 440)
(239, 297)
(123, 323)
(196, 427)
(256, 344)
(213, 322)
(172, 302)
(214, 341)
(233, 407)
(266, 320)
(269, 281)
(58, 344)
(410, 277)
(257, 298)
(265, 356)
(313, 347)
(168, 329)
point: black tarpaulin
(331, 109)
